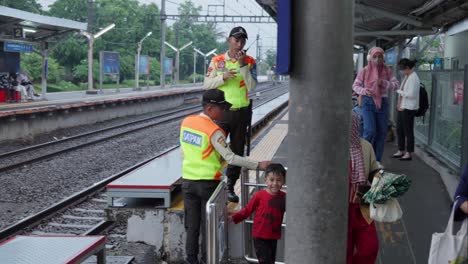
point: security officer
(235, 73)
(204, 148)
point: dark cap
(238, 32)
(215, 96)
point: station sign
(17, 47)
(18, 33)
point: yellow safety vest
(235, 90)
(201, 160)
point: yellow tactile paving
(266, 148)
(286, 116)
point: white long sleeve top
(409, 91)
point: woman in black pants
(408, 105)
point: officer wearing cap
(235, 73)
(204, 148)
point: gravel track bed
(67, 144)
(30, 189)
(71, 131)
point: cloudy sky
(267, 32)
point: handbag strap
(449, 228)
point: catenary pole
(163, 39)
(320, 94)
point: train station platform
(426, 206)
(61, 100)
(70, 109)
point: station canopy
(391, 21)
(24, 26)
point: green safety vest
(201, 160)
(235, 90)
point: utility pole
(137, 60)
(163, 40)
(317, 226)
(258, 48)
(194, 66)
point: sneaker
(232, 197)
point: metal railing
(216, 225)
(246, 188)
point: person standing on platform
(269, 206)
(407, 106)
(372, 84)
(363, 242)
(235, 73)
(204, 148)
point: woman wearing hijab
(363, 243)
(372, 84)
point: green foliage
(80, 72)
(32, 62)
(25, 5)
(68, 61)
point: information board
(110, 62)
(144, 65)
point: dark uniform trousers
(235, 123)
(196, 194)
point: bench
(52, 249)
(155, 179)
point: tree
(25, 5)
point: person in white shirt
(407, 106)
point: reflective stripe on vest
(235, 90)
(201, 160)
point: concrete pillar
(320, 105)
(44, 71)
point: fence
(216, 225)
(440, 130)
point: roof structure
(391, 21)
(37, 27)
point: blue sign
(438, 63)
(167, 66)
(17, 47)
(144, 65)
(391, 56)
(284, 37)
(110, 62)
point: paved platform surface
(66, 98)
(426, 208)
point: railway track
(83, 212)
(25, 156)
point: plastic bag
(449, 248)
(390, 211)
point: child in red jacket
(269, 206)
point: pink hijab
(373, 72)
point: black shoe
(232, 197)
(406, 159)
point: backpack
(423, 101)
